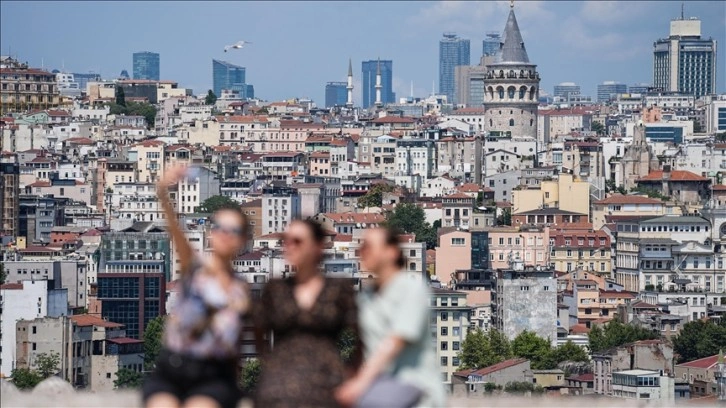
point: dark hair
(235, 208)
(316, 229)
(391, 238)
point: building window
(511, 122)
(444, 345)
(444, 361)
(455, 346)
(458, 241)
(444, 331)
(444, 315)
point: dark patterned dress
(304, 366)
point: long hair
(392, 239)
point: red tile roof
(80, 141)
(242, 119)
(468, 111)
(393, 119)
(492, 368)
(11, 286)
(40, 183)
(91, 320)
(458, 195)
(125, 340)
(628, 199)
(719, 187)
(149, 143)
(343, 238)
(351, 217)
(675, 175)
(579, 328)
(706, 362)
(588, 377)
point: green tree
(211, 98)
(615, 334)
(152, 341)
(721, 137)
(567, 352)
(505, 218)
(127, 378)
(374, 196)
(120, 97)
(147, 110)
(250, 375)
(537, 350)
(699, 339)
(597, 127)
(215, 203)
(481, 349)
(520, 387)
(25, 378)
(411, 219)
(47, 364)
(3, 274)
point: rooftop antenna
(683, 16)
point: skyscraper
(229, 76)
(490, 45)
(369, 69)
(608, 89)
(336, 94)
(639, 88)
(565, 89)
(684, 62)
(146, 65)
(453, 52)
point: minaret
(379, 103)
(349, 103)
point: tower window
(511, 122)
(531, 122)
(510, 92)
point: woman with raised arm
(198, 364)
(400, 364)
(306, 315)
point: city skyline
(592, 42)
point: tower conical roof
(512, 48)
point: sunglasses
(239, 231)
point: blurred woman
(306, 315)
(394, 323)
(198, 364)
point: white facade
(278, 211)
(643, 385)
(27, 300)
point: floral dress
(304, 366)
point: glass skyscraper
(490, 45)
(608, 89)
(565, 89)
(336, 94)
(229, 76)
(684, 62)
(369, 82)
(146, 65)
(453, 52)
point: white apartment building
(415, 157)
(279, 207)
(191, 193)
(643, 385)
(449, 327)
(26, 300)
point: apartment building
(449, 327)
(528, 244)
(620, 206)
(582, 250)
(280, 205)
(23, 88)
(149, 156)
(9, 194)
(24, 300)
(652, 355)
(519, 288)
(566, 193)
(457, 210)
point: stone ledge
(130, 399)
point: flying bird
(237, 45)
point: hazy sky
(299, 46)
